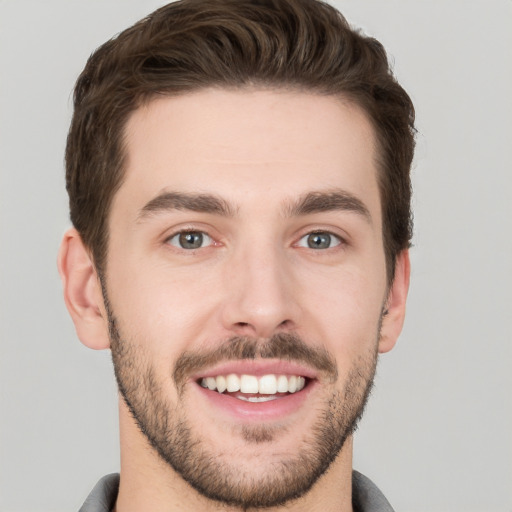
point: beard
(172, 435)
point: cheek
(343, 310)
(159, 306)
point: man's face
(246, 251)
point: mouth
(257, 390)
(253, 388)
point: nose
(259, 294)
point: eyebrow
(203, 203)
(318, 202)
(310, 203)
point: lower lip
(271, 410)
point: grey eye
(190, 240)
(319, 240)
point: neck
(149, 483)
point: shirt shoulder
(366, 496)
(103, 496)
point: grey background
(437, 435)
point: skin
(260, 151)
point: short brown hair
(194, 44)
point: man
(238, 175)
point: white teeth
(282, 384)
(211, 383)
(266, 385)
(249, 384)
(292, 384)
(232, 383)
(221, 384)
(257, 398)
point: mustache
(284, 346)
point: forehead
(249, 144)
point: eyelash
(178, 238)
(327, 234)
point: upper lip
(257, 367)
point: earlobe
(394, 315)
(82, 292)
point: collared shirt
(366, 497)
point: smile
(255, 391)
(271, 386)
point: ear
(82, 292)
(393, 320)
